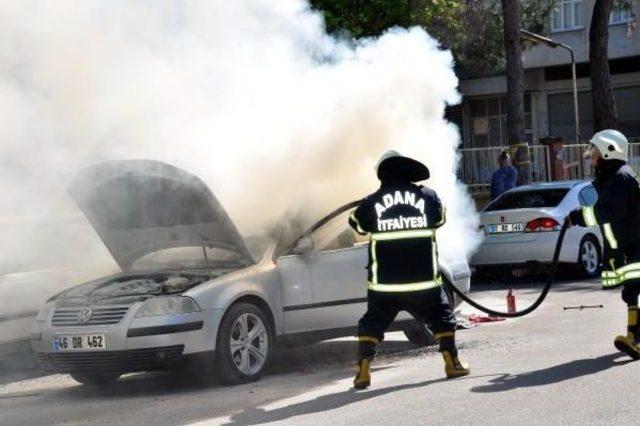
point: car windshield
(539, 198)
(189, 257)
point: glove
(577, 218)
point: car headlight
(167, 305)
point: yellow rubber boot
(366, 352)
(363, 377)
(453, 366)
(629, 343)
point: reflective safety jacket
(617, 213)
(401, 219)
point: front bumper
(134, 344)
(111, 361)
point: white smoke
(252, 96)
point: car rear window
(528, 199)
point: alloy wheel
(589, 257)
(249, 344)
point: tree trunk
(604, 106)
(515, 89)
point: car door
(297, 293)
(337, 269)
(324, 286)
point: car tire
(418, 334)
(95, 379)
(589, 257)
(243, 351)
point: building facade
(548, 84)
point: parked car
(191, 288)
(522, 227)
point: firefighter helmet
(612, 145)
(392, 166)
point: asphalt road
(552, 367)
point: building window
(620, 15)
(488, 125)
(561, 115)
(567, 15)
(627, 108)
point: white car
(522, 227)
(192, 288)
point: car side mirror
(304, 246)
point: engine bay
(140, 286)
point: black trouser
(630, 292)
(630, 288)
(430, 306)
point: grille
(102, 315)
(111, 361)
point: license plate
(80, 342)
(506, 227)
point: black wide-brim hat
(402, 168)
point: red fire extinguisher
(511, 301)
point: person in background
(505, 177)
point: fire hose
(550, 279)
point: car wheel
(95, 379)
(589, 257)
(244, 344)
(418, 334)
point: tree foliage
(366, 18)
(472, 29)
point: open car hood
(141, 206)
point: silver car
(192, 289)
(522, 227)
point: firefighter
(403, 274)
(617, 213)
